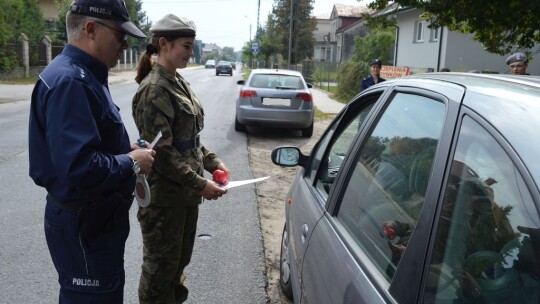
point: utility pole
(292, 32)
(258, 13)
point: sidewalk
(17, 92)
(23, 92)
(323, 102)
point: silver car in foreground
(424, 189)
(275, 98)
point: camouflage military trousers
(168, 238)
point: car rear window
(276, 81)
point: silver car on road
(275, 98)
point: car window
(335, 146)
(259, 81)
(385, 192)
(276, 81)
(488, 238)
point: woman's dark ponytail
(145, 62)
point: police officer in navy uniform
(375, 75)
(517, 63)
(79, 151)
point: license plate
(277, 102)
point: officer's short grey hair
(517, 57)
(173, 26)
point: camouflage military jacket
(167, 104)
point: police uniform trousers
(89, 271)
(168, 237)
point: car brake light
(304, 96)
(248, 93)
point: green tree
(302, 31)
(375, 44)
(139, 18)
(269, 42)
(228, 54)
(60, 34)
(501, 26)
(16, 17)
(31, 22)
(136, 14)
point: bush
(348, 78)
(317, 77)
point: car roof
(276, 71)
(510, 103)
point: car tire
(217, 74)
(307, 132)
(238, 126)
(285, 265)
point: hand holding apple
(221, 177)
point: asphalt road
(228, 262)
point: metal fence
(36, 59)
(318, 73)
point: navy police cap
(114, 10)
(375, 61)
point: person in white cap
(517, 64)
(165, 102)
(81, 154)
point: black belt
(70, 207)
(187, 144)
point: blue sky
(225, 22)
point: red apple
(221, 177)
(389, 232)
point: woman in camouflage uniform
(165, 102)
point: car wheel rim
(285, 265)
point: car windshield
(276, 81)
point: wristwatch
(135, 166)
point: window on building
(419, 31)
(435, 34)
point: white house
(322, 50)
(417, 46)
(211, 47)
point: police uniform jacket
(77, 142)
(166, 103)
(368, 81)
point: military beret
(375, 61)
(173, 26)
(516, 57)
(114, 10)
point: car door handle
(305, 231)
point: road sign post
(254, 50)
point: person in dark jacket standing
(375, 75)
(80, 152)
(165, 102)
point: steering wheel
(484, 264)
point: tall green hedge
(348, 78)
(16, 17)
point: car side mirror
(309, 85)
(289, 157)
(241, 82)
